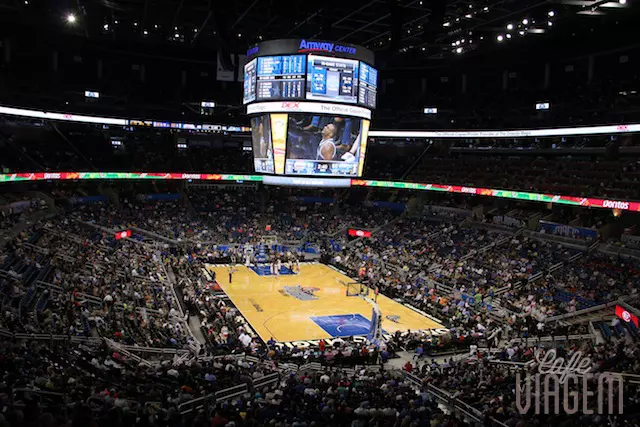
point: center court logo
(571, 381)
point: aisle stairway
(261, 258)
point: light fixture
(508, 36)
(176, 35)
(550, 24)
(71, 18)
(239, 34)
(521, 32)
(509, 27)
(500, 38)
(106, 27)
(135, 24)
(551, 14)
(486, 8)
(26, 2)
(459, 50)
(622, 1)
(525, 21)
(145, 32)
(446, 24)
(155, 26)
(458, 43)
(468, 16)
(195, 30)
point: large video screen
(367, 85)
(262, 144)
(281, 77)
(249, 82)
(325, 145)
(332, 79)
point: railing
(210, 400)
(581, 312)
(455, 404)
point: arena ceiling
(423, 29)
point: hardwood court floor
(273, 313)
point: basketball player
(327, 147)
(278, 266)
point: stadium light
(509, 27)
(508, 36)
(622, 1)
(459, 50)
(500, 38)
(521, 32)
(550, 24)
(551, 14)
(71, 18)
(525, 21)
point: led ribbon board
(331, 182)
(507, 194)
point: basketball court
(310, 305)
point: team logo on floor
(301, 293)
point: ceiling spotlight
(26, 2)
(486, 8)
(525, 21)
(176, 35)
(175, 28)
(550, 24)
(71, 18)
(135, 24)
(521, 32)
(500, 38)
(446, 24)
(155, 26)
(551, 14)
(459, 50)
(106, 27)
(458, 43)
(508, 36)
(622, 1)
(195, 30)
(453, 44)
(509, 27)
(468, 16)
(145, 32)
(115, 22)
(239, 35)
(481, 37)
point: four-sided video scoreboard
(310, 105)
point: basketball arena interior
(368, 213)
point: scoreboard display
(280, 77)
(249, 82)
(310, 71)
(368, 85)
(332, 79)
(310, 103)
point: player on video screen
(265, 150)
(327, 147)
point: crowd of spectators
(67, 275)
